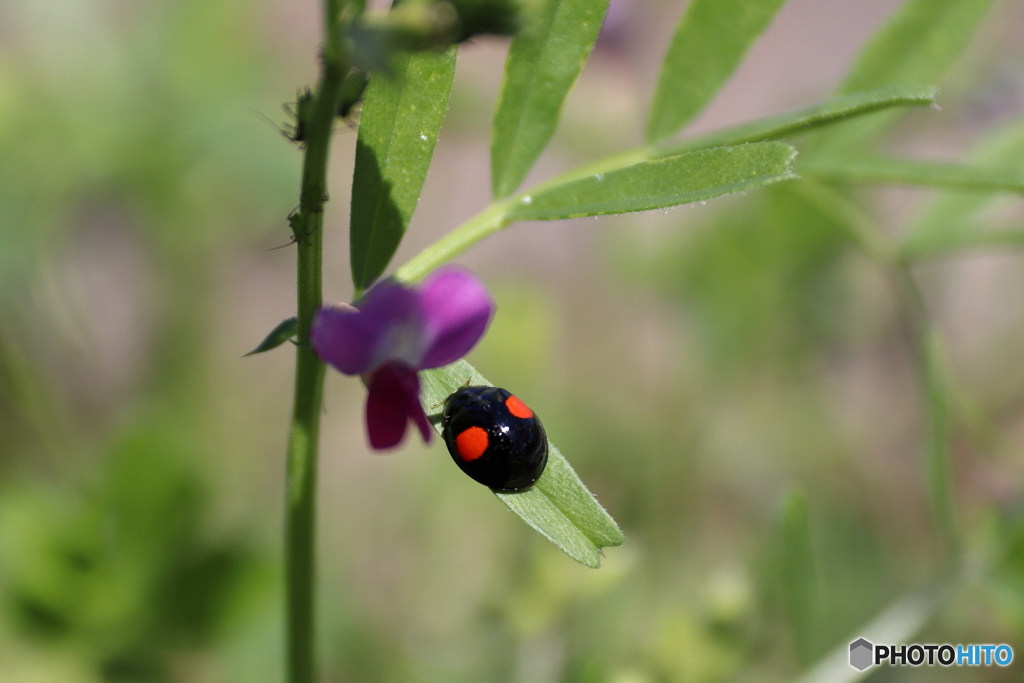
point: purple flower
(396, 332)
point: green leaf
(279, 335)
(630, 181)
(710, 42)
(899, 623)
(398, 128)
(558, 506)
(544, 60)
(967, 236)
(659, 183)
(500, 214)
(917, 45)
(799, 577)
(836, 110)
(912, 172)
(951, 220)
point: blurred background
(733, 380)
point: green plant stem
(300, 503)
(860, 228)
(938, 468)
(925, 342)
(495, 217)
(490, 220)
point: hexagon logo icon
(860, 654)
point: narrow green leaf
(917, 45)
(968, 236)
(710, 42)
(952, 218)
(559, 506)
(637, 183)
(279, 335)
(661, 182)
(398, 128)
(912, 172)
(544, 60)
(898, 623)
(799, 577)
(836, 110)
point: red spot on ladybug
(518, 408)
(472, 443)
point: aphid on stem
(303, 109)
(352, 90)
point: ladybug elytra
(495, 438)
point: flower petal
(456, 310)
(393, 400)
(419, 416)
(338, 337)
(388, 324)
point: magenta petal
(393, 400)
(419, 417)
(386, 414)
(456, 311)
(388, 324)
(340, 338)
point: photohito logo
(864, 653)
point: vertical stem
(940, 474)
(927, 349)
(300, 510)
(938, 468)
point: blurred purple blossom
(395, 331)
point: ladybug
(495, 438)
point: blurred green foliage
(123, 572)
(734, 382)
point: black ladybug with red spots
(495, 438)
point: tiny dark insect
(303, 110)
(495, 438)
(352, 89)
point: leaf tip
(284, 331)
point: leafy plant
(410, 54)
